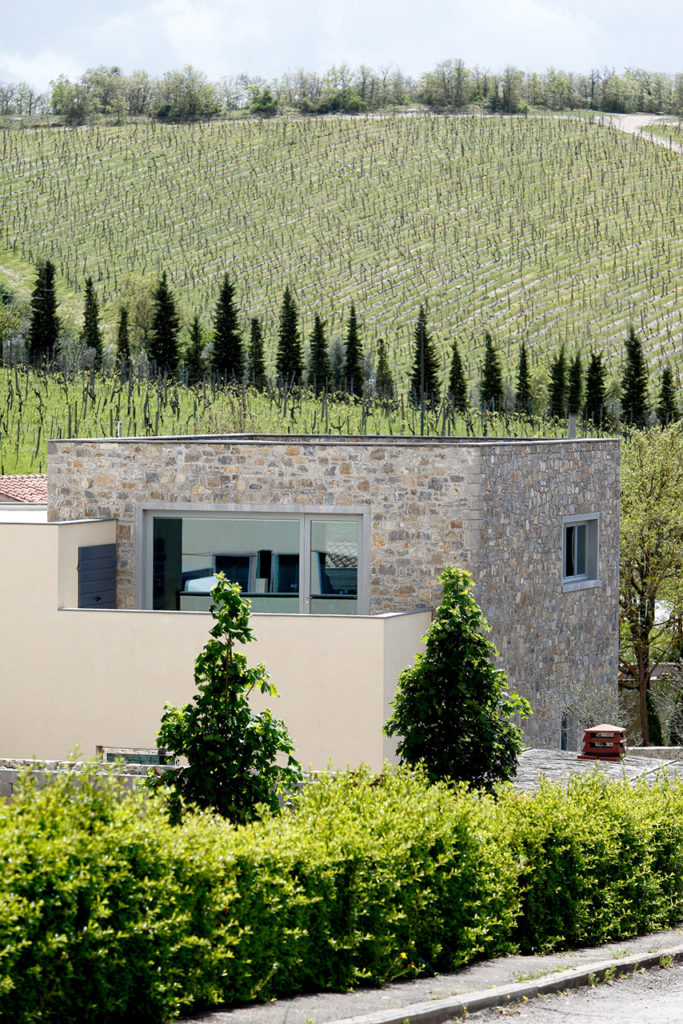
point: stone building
(363, 526)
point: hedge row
(110, 914)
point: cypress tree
(353, 357)
(457, 384)
(91, 334)
(523, 393)
(163, 345)
(194, 353)
(634, 383)
(123, 342)
(594, 408)
(575, 386)
(319, 366)
(384, 380)
(257, 365)
(491, 391)
(557, 389)
(43, 330)
(667, 406)
(424, 378)
(290, 358)
(227, 359)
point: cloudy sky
(40, 39)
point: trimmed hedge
(110, 914)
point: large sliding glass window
(291, 563)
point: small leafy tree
(231, 750)
(452, 710)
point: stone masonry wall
(493, 507)
(545, 636)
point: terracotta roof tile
(29, 488)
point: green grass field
(548, 229)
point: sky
(41, 39)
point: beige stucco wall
(84, 678)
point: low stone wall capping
(493, 506)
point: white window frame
(305, 514)
(591, 577)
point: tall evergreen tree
(43, 330)
(353, 357)
(289, 360)
(163, 345)
(575, 386)
(634, 383)
(667, 406)
(257, 364)
(123, 342)
(384, 380)
(491, 391)
(195, 364)
(523, 392)
(319, 365)
(424, 377)
(227, 359)
(557, 388)
(457, 384)
(596, 390)
(91, 333)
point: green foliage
(290, 359)
(262, 103)
(384, 379)
(654, 726)
(195, 364)
(575, 386)
(256, 373)
(651, 554)
(123, 342)
(44, 326)
(676, 723)
(452, 710)
(91, 333)
(163, 346)
(319, 366)
(457, 382)
(596, 390)
(634, 383)
(227, 359)
(667, 405)
(602, 861)
(523, 393)
(491, 391)
(231, 750)
(557, 389)
(353, 357)
(424, 376)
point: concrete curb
(439, 1010)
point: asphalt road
(647, 997)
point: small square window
(580, 552)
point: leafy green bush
(110, 914)
(602, 861)
(231, 751)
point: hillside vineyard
(552, 230)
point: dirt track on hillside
(636, 124)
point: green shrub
(602, 861)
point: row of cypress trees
(570, 391)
